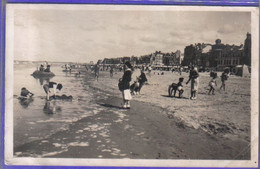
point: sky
(89, 35)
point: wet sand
(143, 132)
(149, 130)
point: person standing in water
(126, 85)
(111, 71)
(96, 69)
(194, 78)
(53, 86)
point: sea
(38, 118)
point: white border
(11, 160)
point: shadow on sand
(109, 105)
(174, 97)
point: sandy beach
(157, 126)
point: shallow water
(38, 118)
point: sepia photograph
(131, 85)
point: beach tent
(241, 70)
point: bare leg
(128, 104)
(170, 90)
(48, 96)
(124, 101)
(195, 95)
(210, 90)
(174, 93)
(180, 93)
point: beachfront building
(157, 59)
(189, 55)
(226, 55)
(173, 58)
(144, 60)
(197, 54)
(134, 60)
(109, 61)
(218, 55)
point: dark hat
(128, 64)
(181, 79)
(59, 86)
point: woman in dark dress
(126, 85)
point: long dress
(126, 87)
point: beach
(156, 127)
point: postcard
(131, 85)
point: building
(222, 56)
(218, 55)
(157, 59)
(112, 61)
(189, 55)
(144, 60)
(172, 59)
(134, 60)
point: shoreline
(143, 134)
(146, 131)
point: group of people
(47, 69)
(194, 79)
(213, 81)
(50, 87)
(126, 88)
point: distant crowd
(128, 89)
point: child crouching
(176, 87)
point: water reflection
(25, 102)
(42, 80)
(50, 107)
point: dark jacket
(142, 78)
(193, 74)
(126, 79)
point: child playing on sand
(51, 85)
(26, 93)
(176, 87)
(213, 83)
